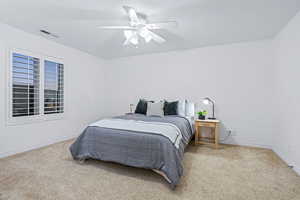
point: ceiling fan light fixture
(128, 33)
(148, 39)
(131, 36)
(134, 40)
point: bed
(137, 140)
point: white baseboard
(285, 159)
(247, 143)
(297, 170)
(35, 146)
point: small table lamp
(131, 107)
(206, 101)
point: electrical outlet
(231, 132)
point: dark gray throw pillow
(141, 107)
(171, 108)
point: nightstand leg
(196, 135)
(217, 136)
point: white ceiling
(200, 22)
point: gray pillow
(155, 109)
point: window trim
(9, 97)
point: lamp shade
(206, 101)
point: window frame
(9, 97)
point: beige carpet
(229, 173)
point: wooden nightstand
(214, 125)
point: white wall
(239, 77)
(287, 140)
(84, 75)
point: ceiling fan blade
(156, 37)
(117, 27)
(162, 25)
(132, 15)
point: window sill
(33, 119)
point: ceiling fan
(139, 27)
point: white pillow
(181, 108)
(189, 109)
(155, 109)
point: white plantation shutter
(25, 85)
(53, 87)
(36, 85)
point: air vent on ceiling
(48, 33)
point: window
(36, 87)
(25, 86)
(54, 88)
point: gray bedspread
(137, 149)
